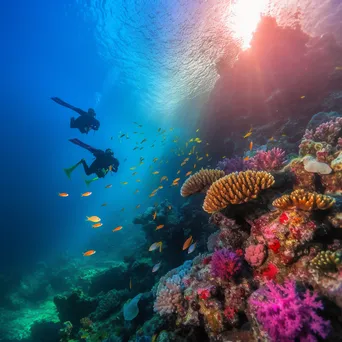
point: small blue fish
(192, 248)
(156, 267)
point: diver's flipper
(71, 169)
(62, 103)
(92, 150)
(88, 181)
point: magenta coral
(225, 264)
(271, 160)
(255, 255)
(287, 315)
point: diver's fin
(89, 181)
(71, 169)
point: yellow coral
(236, 188)
(326, 260)
(200, 181)
(304, 200)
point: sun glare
(245, 18)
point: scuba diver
(85, 122)
(103, 163)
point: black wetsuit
(85, 122)
(101, 164)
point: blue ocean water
(148, 62)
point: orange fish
(89, 253)
(174, 184)
(152, 194)
(86, 194)
(117, 228)
(108, 186)
(94, 219)
(187, 243)
(251, 145)
(176, 180)
(188, 173)
(97, 225)
(110, 168)
(63, 194)
(160, 226)
(246, 158)
(154, 215)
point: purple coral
(271, 160)
(225, 264)
(255, 255)
(327, 131)
(229, 165)
(287, 315)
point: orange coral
(200, 181)
(236, 188)
(304, 200)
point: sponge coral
(288, 315)
(225, 264)
(255, 255)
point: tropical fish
(86, 194)
(191, 140)
(123, 209)
(187, 243)
(155, 173)
(338, 68)
(135, 132)
(271, 139)
(247, 134)
(251, 145)
(103, 204)
(110, 168)
(133, 168)
(138, 180)
(188, 173)
(154, 215)
(195, 166)
(108, 186)
(163, 178)
(160, 227)
(117, 228)
(152, 194)
(155, 246)
(174, 184)
(124, 183)
(94, 219)
(136, 191)
(197, 130)
(178, 172)
(171, 129)
(302, 97)
(160, 187)
(176, 180)
(199, 159)
(135, 148)
(192, 248)
(97, 225)
(89, 253)
(156, 267)
(138, 206)
(143, 141)
(159, 129)
(246, 158)
(134, 173)
(152, 145)
(122, 135)
(183, 163)
(207, 155)
(63, 194)
(140, 150)
(155, 159)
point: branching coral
(271, 160)
(200, 181)
(236, 189)
(304, 200)
(288, 315)
(225, 264)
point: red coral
(274, 246)
(270, 272)
(206, 260)
(203, 293)
(229, 313)
(283, 218)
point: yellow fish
(176, 180)
(94, 219)
(138, 180)
(197, 130)
(207, 155)
(155, 173)
(154, 215)
(199, 159)
(183, 163)
(124, 183)
(160, 187)
(302, 97)
(191, 140)
(153, 194)
(188, 173)
(130, 283)
(133, 168)
(247, 134)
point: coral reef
(255, 254)
(236, 189)
(225, 264)
(200, 181)
(304, 200)
(271, 160)
(229, 165)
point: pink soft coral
(225, 264)
(255, 255)
(271, 160)
(287, 315)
